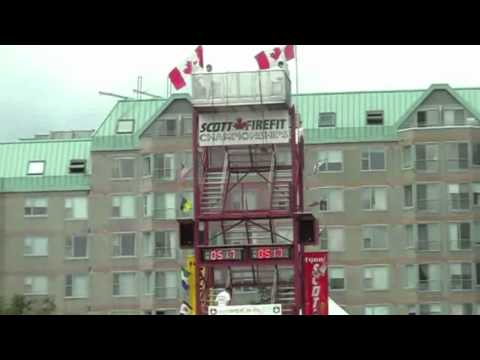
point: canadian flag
(270, 58)
(188, 67)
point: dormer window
(77, 166)
(375, 117)
(427, 118)
(36, 168)
(125, 126)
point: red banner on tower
(316, 283)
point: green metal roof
(14, 159)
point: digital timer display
(268, 253)
(225, 254)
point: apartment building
(90, 218)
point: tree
(21, 305)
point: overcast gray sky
(46, 88)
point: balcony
(461, 283)
(241, 88)
(429, 285)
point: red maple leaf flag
(270, 58)
(191, 65)
(240, 124)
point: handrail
(273, 296)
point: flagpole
(296, 69)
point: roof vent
(77, 166)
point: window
(123, 206)
(476, 154)
(429, 276)
(165, 206)
(427, 118)
(336, 278)
(373, 159)
(76, 285)
(332, 238)
(407, 157)
(377, 310)
(374, 237)
(35, 246)
(457, 156)
(476, 194)
(329, 161)
(35, 285)
(477, 266)
(459, 196)
(428, 197)
(36, 167)
(249, 200)
(166, 284)
(409, 235)
(408, 196)
(76, 247)
(327, 119)
(459, 236)
(36, 207)
(461, 277)
(147, 165)
(284, 235)
(148, 282)
(147, 205)
(428, 237)
(186, 166)
(167, 127)
(476, 232)
(374, 117)
(410, 276)
(426, 157)
(77, 166)
(374, 198)
(124, 245)
(124, 284)
(461, 309)
(187, 125)
(160, 244)
(76, 208)
(125, 126)
(123, 168)
(164, 166)
(375, 278)
(430, 309)
(453, 117)
(330, 199)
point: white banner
(268, 309)
(244, 128)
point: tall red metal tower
(248, 189)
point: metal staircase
(281, 186)
(213, 193)
(283, 293)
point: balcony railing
(241, 88)
(428, 205)
(164, 253)
(426, 165)
(461, 202)
(172, 214)
(461, 244)
(166, 293)
(429, 285)
(457, 164)
(464, 283)
(428, 245)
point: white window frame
(328, 228)
(344, 278)
(369, 151)
(32, 164)
(458, 226)
(117, 161)
(437, 161)
(149, 244)
(430, 240)
(316, 167)
(450, 273)
(148, 204)
(73, 275)
(150, 159)
(72, 200)
(438, 200)
(165, 120)
(165, 211)
(121, 196)
(426, 109)
(412, 157)
(169, 296)
(135, 283)
(413, 197)
(329, 189)
(72, 239)
(117, 236)
(449, 194)
(447, 143)
(384, 226)
(388, 307)
(130, 130)
(431, 304)
(31, 278)
(32, 239)
(370, 198)
(171, 169)
(472, 190)
(33, 200)
(368, 267)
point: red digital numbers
(216, 254)
(267, 253)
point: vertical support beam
(196, 208)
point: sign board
(244, 128)
(316, 283)
(267, 309)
